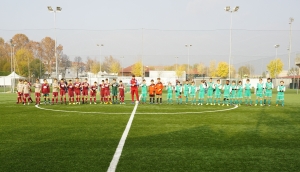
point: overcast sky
(168, 26)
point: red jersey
(62, 86)
(134, 83)
(45, 88)
(77, 86)
(121, 88)
(70, 88)
(85, 86)
(94, 88)
(106, 86)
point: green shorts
(169, 95)
(186, 94)
(114, 93)
(259, 94)
(201, 95)
(280, 97)
(45, 95)
(268, 94)
(210, 93)
(144, 94)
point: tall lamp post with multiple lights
(58, 9)
(228, 9)
(100, 45)
(188, 47)
(290, 47)
(276, 48)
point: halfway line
(114, 162)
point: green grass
(161, 138)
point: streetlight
(276, 47)
(58, 9)
(100, 45)
(290, 47)
(122, 65)
(228, 9)
(188, 47)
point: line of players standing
(78, 92)
(233, 93)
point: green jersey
(210, 89)
(186, 89)
(169, 89)
(248, 89)
(218, 88)
(178, 90)
(281, 90)
(144, 88)
(227, 90)
(114, 89)
(269, 86)
(202, 88)
(193, 90)
(239, 91)
(233, 91)
(259, 89)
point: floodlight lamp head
(276, 46)
(50, 9)
(227, 8)
(236, 8)
(291, 20)
(58, 9)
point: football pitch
(161, 138)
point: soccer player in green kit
(170, 90)
(114, 91)
(227, 90)
(268, 94)
(218, 87)
(192, 93)
(186, 89)
(259, 92)
(233, 93)
(210, 92)
(178, 91)
(248, 87)
(280, 94)
(144, 91)
(201, 95)
(239, 93)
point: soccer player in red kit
(26, 91)
(77, 87)
(70, 87)
(93, 93)
(20, 91)
(102, 89)
(107, 98)
(85, 91)
(62, 91)
(55, 88)
(134, 89)
(46, 91)
(121, 92)
(37, 91)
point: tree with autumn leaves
(31, 58)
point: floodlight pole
(58, 9)
(100, 45)
(290, 47)
(122, 66)
(230, 35)
(188, 48)
(276, 48)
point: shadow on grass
(202, 149)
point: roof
(292, 76)
(129, 69)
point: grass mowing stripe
(114, 162)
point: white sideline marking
(114, 162)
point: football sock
(94, 99)
(186, 99)
(260, 101)
(256, 101)
(269, 101)
(282, 103)
(160, 100)
(265, 101)
(65, 99)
